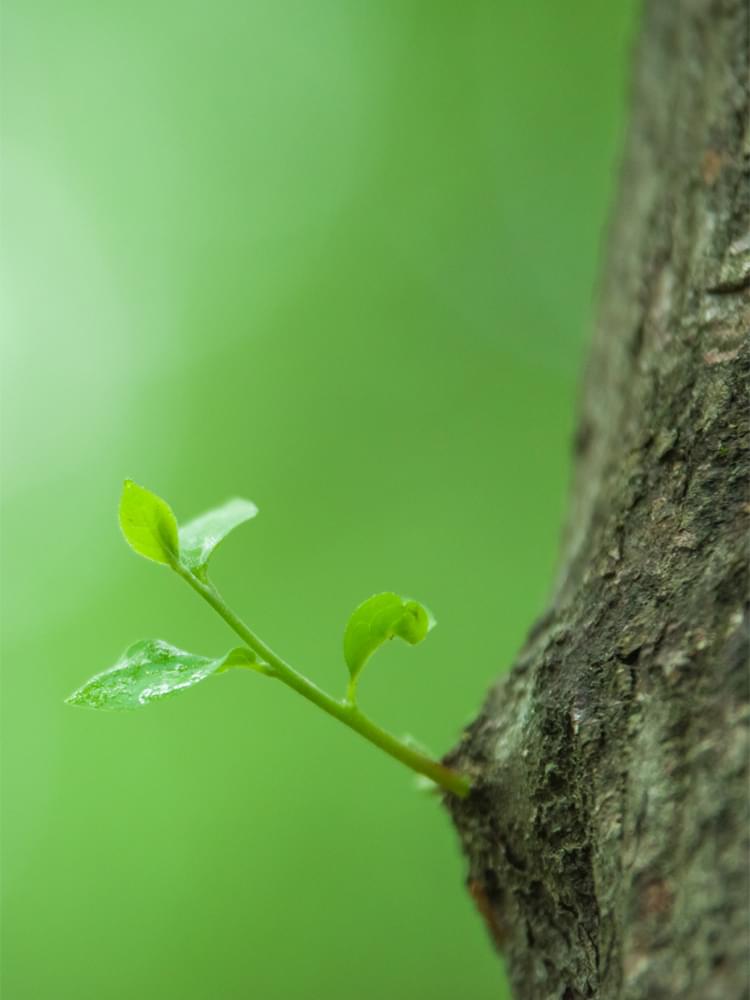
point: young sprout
(153, 669)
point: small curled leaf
(199, 537)
(152, 669)
(148, 524)
(379, 618)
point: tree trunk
(607, 831)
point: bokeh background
(337, 257)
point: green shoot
(153, 669)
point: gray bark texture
(607, 830)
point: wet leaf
(152, 669)
(199, 537)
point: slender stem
(344, 711)
(351, 692)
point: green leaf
(199, 537)
(152, 669)
(379, 618)
(148, 524)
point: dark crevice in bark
(606, 834)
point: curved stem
(344, 711)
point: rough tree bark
(606, 835)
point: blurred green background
(337, 257)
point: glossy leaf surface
(148, 524)
(199, 537)
(378, 619)
(152, 669)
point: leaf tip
(77, 698)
